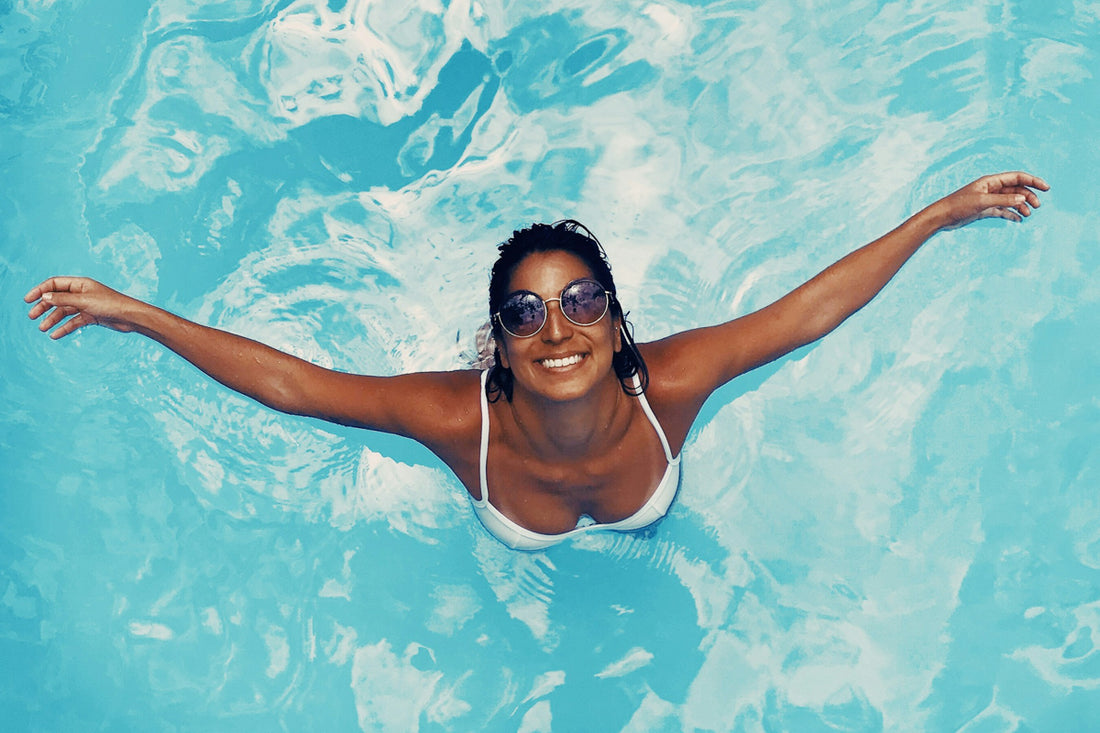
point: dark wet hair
(573, 237)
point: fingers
(53, 293)
(55, 316)
(1030, 197)
(1016, 179)
(1002, 212)
(36, 292)
(55, 285)
(76, 322)
(1012, 195)
(1012, 206)
(1014, 182)
(46, 301)
(57, 298)
(38, 309)
(1023, 203)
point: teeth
(557, 363)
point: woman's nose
(557, 325)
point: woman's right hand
(76, 302)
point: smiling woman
(570, 237)
(592, 425)
(895, 528)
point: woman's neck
(570, 429)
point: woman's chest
(551, 494)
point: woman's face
(563, 361)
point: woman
(574, 420)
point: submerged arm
(698, 362)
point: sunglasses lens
(584, 302)
(522, 314)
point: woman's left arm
(695, 363)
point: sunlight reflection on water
(895, 529)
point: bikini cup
(520, 538)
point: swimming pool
(896, 529)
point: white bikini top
(521, 538)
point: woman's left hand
(1001, 195)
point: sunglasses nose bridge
(555, 318)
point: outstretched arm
(697, 362)
(409, 405)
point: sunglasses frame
(608, 298)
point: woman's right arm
(410, 405)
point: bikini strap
(653, 420)
(484, 456)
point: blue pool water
(896, 529)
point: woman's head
(574, 238)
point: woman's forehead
(546, 273)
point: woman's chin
(563, 383)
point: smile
(562, 362)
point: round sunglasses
(582, 302)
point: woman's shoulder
(441, 409)
(449, 391)
(670, 363)
(674, 393)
